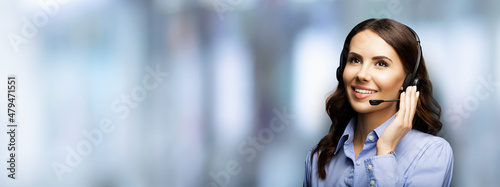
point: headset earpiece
(343, 61)
(407, 81)
(417, 81)
(339, 74)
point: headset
(411, 78)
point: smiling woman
(373, 70)
(386, 144)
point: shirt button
(370, 138)
(358, 162)
(372, 182)
(369, 167)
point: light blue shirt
(421, 160)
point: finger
(410, 111)
(407, 104)
(402, 106)
(417, 95)
(413, 105)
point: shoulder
(416, 138)
(310, 155)
(311, 160)
(421, 153)
(309, 168)
(422, 146)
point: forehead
(368, 44)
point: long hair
(428, 111)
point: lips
(363, 92)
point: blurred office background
(242, 101)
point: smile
(364, 91)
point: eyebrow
(374, 58)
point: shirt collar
(349, 131)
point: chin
(364, 107)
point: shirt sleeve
(433, 166)
(308, 170)
(383, 171)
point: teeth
(363, 91)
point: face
(373, 71)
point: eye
(354, 60)
(382, 64)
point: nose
(363, 74)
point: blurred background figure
(212, 93)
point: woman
(385, 144)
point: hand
(402, 123)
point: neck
(367, 122)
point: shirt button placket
(372, 182)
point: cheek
(390, 81)
(348, 75)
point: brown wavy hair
(340, 111)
